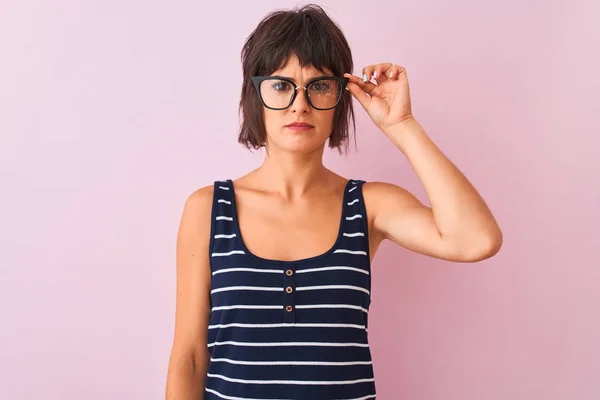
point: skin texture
(290, 207)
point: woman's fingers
(367, 73)
(381, 72)
(359, 94)
(365, 86)
(395, 71)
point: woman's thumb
(363, 97)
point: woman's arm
(457, 227)
(189, 356)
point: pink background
(113, 112)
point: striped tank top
(289, 329)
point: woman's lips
(299, 126)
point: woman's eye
(281, 86)
(320, 86)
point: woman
(273, 269)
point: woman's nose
(300, 103)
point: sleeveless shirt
(289, 329)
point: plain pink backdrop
(113, 112)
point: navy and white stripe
(289, 329)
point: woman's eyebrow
(284, 77)
(308, 80)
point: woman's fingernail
(375, 74)
(364, 77)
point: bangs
(308, 33)
(308, 40)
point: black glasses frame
(257, 80)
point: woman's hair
(317, 41)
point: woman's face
(296, 139)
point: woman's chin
(300, 144)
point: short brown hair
(317, 41)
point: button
(289, 272)
(288, 308)
(288, 289)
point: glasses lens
(324, 93)
(276, 93)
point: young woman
(273, 268)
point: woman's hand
(387, 102)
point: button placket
(289, 293)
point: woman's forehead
(293, 69)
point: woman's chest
(287, 233)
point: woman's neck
(293, 174)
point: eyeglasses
(278, 93)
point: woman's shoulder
(199, 200)
(377, 189)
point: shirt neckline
(237, 229)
